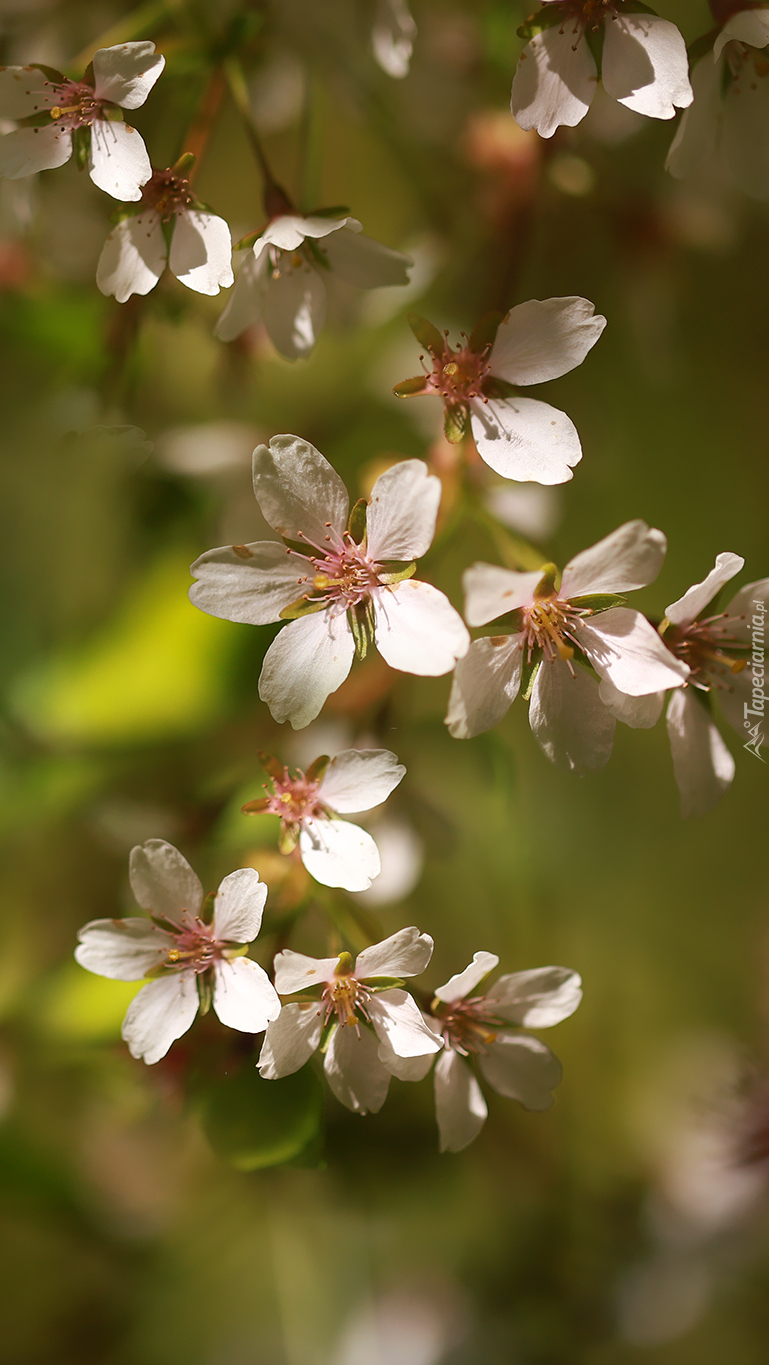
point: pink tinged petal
(354, 1071)
(294, 310)
(640, 713)
(290, 229)
(491, 591)
(417, 629)
(697, 135)
(337, 853)
(28, 150)
(159, 1014)
(459, 1105)
(163, 881)
(246, 302)
(485, 684)
(298, 491)
(406, 953)
(118, 161)
(125, 74)
(745, 132)
(308, 660)
(744, 604)
(290, 1040)
(397, 1018)
(244, 996)
(703, 766)
(297, 972)
(629, 558)
(359, 779)
(392, 37)
(122, 949)
(542, 340)
(201, 252)
(684, 611)
(23, 91)
(524, 439)
(645, 66)
(554, 82)
(748, 26)
(522, 1069)
(538, 998)
(457, 987)
(625, 649)
(251, 584)
(133, 257)
(238, 907)
(569, 720)
(400, 518)
(360, 261)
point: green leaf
(304, 606)
(81, 146)
(408, 387)
(357, 522)
(252, 1123)
(397, 574)
(426, 334)
(599, 601)
(456, 422)
(529, 671)
(484, 332)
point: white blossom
(53, 110)
(284, 278)
(392, 37)
(342, 591)
(369, 1029)
(644, 64)
(580, 622)
(187, 959)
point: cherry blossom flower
(284, 279)
(714, 647)
(58, 116)
(521, 438)
(729, 119)
(342, 580)
(335, 852)
(581, 622)
(189, 962)
(643, 66)
(365, 1024)
(170, 228)
(392, 37)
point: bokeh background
(142, 1221)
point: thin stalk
(276, 201)
(199, 131)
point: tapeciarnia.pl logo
(756, 706)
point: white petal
(623, 647)
(24, 90)
(405, 953)
(251, 584)
(290, 229)
(459, 1105)
(290, 1040)
(524, 439)
(485, 684)
(118, 161)
(457, 987)
(405, 1068)
(163, 881)
(246, 302)
(542, 340)
(360, 261)
(133, 257)
(359, 779)
(418, 630)
(745, 131)
(337, 853)
(308, 660)
(397, 1018)
(523, 1069)
(402, 854)
(629, 558)
(238, 907)
(734, 694)
(125, 74)
(244, 996)
(555, 81)
(297, 972)
(298, 491)
(122, 949)
(159, 1014)
(697, 135)
(743, 604)
(703, 766)
(645, 66)
(354, 1071)
(491, 591)
(538, 998)
(392, 37)
(640, 713)
(400, 518)
(201, 252)
(684, 611)
(747, 26)
(28, 150)
(568, 718)
(294, 309)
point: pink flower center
(747, 64)
(706, 647)
(550, 625)
(294, 799)
(74, 105)
(347, 998)
(167, 194)
(588, 13)
(341, 576)
(467, 1025)
(458, 375)
(284, 262)
(194, 948)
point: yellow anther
(173, 955)
(321, 580)
(452, 368)
(55, 112)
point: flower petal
(734, 694)
(459, 1105)
(640, 713)
(201, 252)
(308, 660)
(359, 779)
(400, 518)
(28, 150)
(645, 66)
(524, 439)
(744, 604)
(747, 26)
(543, 339)
(251, 584)
(238, 907)
(392, 37)
(688, 607)
(289, 230)
(360, 261)
(24, 90)
(629, 558)
(246, 302)
(122, 949)
(523, 1069)
(290, 1040)
(125, 74)
(623, 647)
(491, 591)
(538, 998)
(297, 972)
(703, 765)
(244, 996)
(745, 133)
(697, 135)
(118, 160)
(418, 630)
(554, 82)
(163, 881)
(457, 987)
(161, 1012)
(485, 684)
(294, 309)
(301, 496)
(398, 1018)
(133, 257)
(354, 1071)
(568, 718)
(406, 953)
(337, 853)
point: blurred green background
(616, 1228)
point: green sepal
(494, 387)
(167, 226)
(88, 77)
(456, 422)
(702, 46)
(302, 607)
(248, 240)
(288, 838)
(317, 768)
(361, 619)
(335, 211)
(205, 992)
(664, 625)
(207, 908)
(384, 983)
(271, 765)
(327, 1033)
(167, 925)
(40, 120)
(155, 973)
(426, 334)
(50, 72)
(599, 601)
(81, 147)
(485, 331)
(124, 211)
(397, 575)
(546, 584)
(184, 165)
(112, 112)
(318, 254)
(594, 40)
(407, 387)
(257, 807)
(356, 524)
(299, 547)
(638, 7)
(529, 671)
(547, 17)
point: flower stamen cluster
(703, 645)
(168, 193)
(195, 948)
(346, 996)
(458, 374)
(76, 104)
(342, 577)
(548, 625)
(468, 1026)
